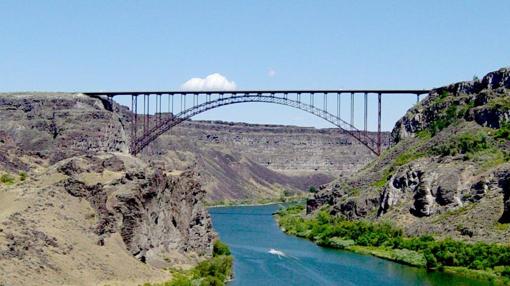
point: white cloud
(271, 72)
(213, 82)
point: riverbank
(216, 270)
(259, 202)
(488, 262)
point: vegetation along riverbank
(215, 271)
(481, 260)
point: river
(251, 232)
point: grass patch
(502, 226)
(479, 148)
(465, 143)
(503, 132)
(441, 97)
(402, 159)
(447, 117)
(501, 103)
(7, 179)
(454, 212)
(403, 256)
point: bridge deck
(294, 91)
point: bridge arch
(165, 124)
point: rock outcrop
(60, 125)
(488, 97)
(111, 216)
(154, 212)
(448, 174)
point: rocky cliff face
(154, 212)
(240, 161)
(448, 173)
(485, 98)
(60, 125)
(285, 149)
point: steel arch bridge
(311, 101)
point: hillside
(75, 208)
(240, 161)
(448, 175)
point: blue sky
(158, 45)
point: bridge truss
(183, 105)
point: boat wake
(277, 252)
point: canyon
(77, 207)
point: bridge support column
(143, 114)
(352, 110)
(365, 114)
(379, 124)
(156, 116)
(134, 119)
(160, 107)
(338, 104)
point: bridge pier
(134, 118)
(352, 109)
(365, 113)
(379, 124)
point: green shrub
(445, 119)
(220, 248)
(211, 272)
(7, 179)
(463, 144)
(424, 134)
(506, 272)
(215, 270)
(503, 132)
(179, 280)
(312, 189)
(22, 176)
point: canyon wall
(448, 173)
